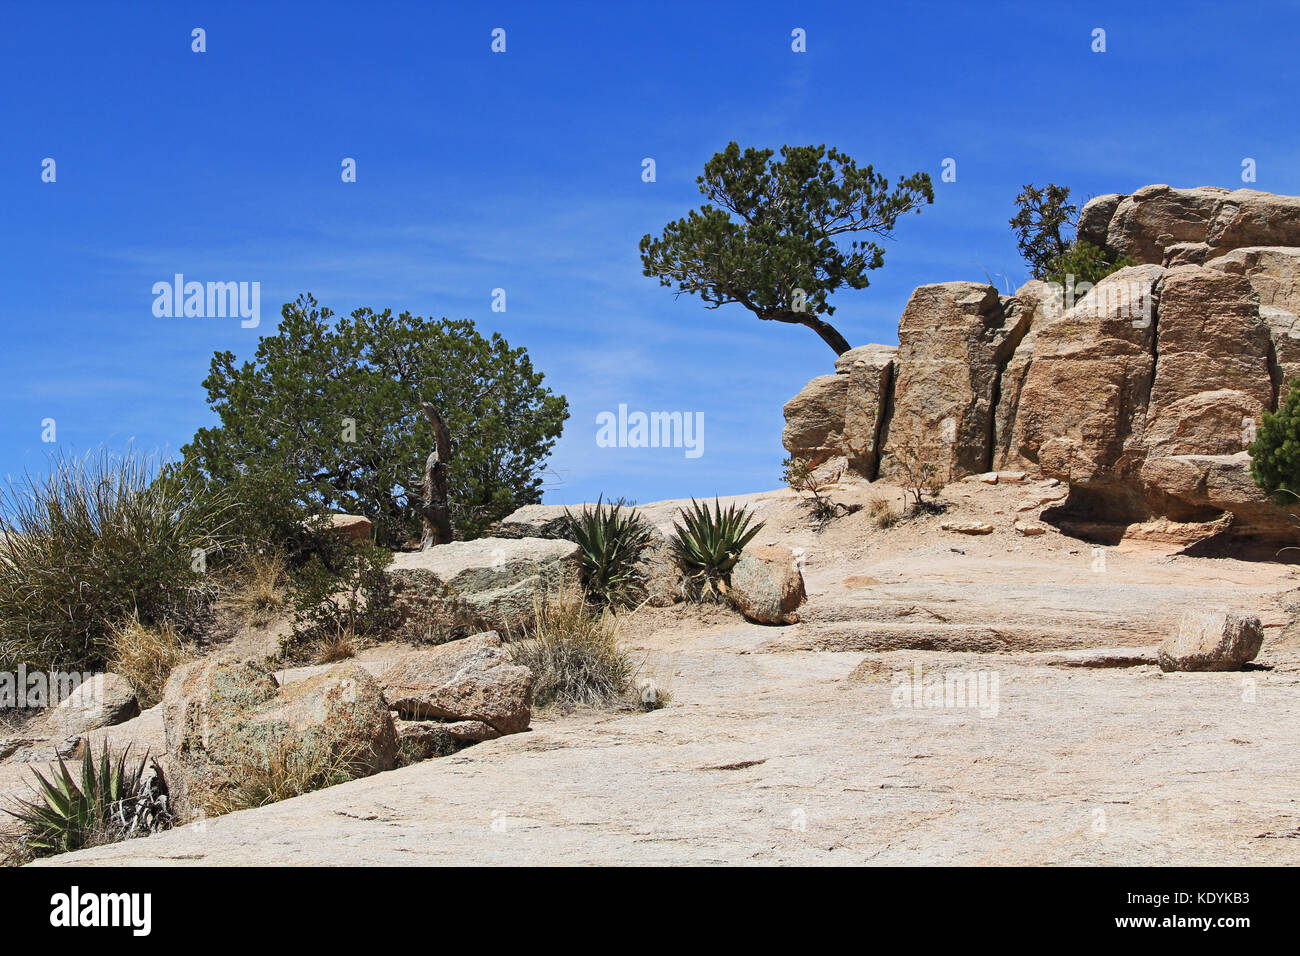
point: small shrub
(1275, 452)
(146, 655)
(574, 654)
(347, 591)
(96, 541)
(611, 541)
(283, 771)
(1083, 262)
(707, 546)
(801, 477)
(113, 801)
(920, 476)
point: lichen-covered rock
(221, 717)
(766, 586)
(1212, 639)
(470, 679)
(488, 583)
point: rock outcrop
(1142, 395)
(222, 717)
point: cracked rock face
(1142, 396)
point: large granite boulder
(1037, 304)
(488, 583)
(1082, 408)
(222, 717)
(870, 372)
(814, 420)
(954, 340)
(1274, 275)
(470, 679)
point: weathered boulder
(766, 586)
(485, 583)
(1082, 409)
(536, 521)
(1154, 217)
(470, 679)
(814, 420)
(1037, 304)
(954, 340)
(220, 717)
(1163, 225)
(1095, 217)
(422, 739)
(870, 371)
(1212, 639)
(103, 701)
(338, 717)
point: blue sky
(522, 171)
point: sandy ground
(807, 744)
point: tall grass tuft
(574, 654)
(146, 655)
(99, 540)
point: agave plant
(611, 541)
(113, 801)
(707, 545)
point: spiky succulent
(611, 541)
(112, 801)
(707, 545)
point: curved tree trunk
(433, 499)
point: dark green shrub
(98, 540)
(611, 540)
(1084, 263)
(342, 591)
(707, 545)
(1275, 452)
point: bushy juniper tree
(333, 412)
(776, 236)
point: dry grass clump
(282, 772)
(146, 655)
(262, 592)
(337, 647)
(883, 513)
(574, 653)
